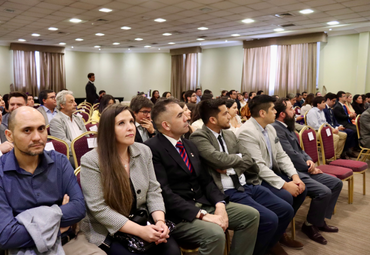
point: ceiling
(20, 18)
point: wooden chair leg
(293, 228)
(349, 191)
(352, 189)
(228, 243)
(364, 182)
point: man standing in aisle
(90, 89)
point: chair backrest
(326, 142)
(299, 139)
(297, 110)
(309, 143)
(80, 145)
(357, 121)
(77, 174)
(305, 117)
(96, 106)
(85, 116)
(58, 145)
(90, 125)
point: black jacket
(91, 95)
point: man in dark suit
(365, 128)
(351, 140)
(142, 108)
(322, 188)
(220, 149)
(193, 201)
(341, 114)
(90, 89)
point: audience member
(299, 118)
(245, 113)
(316, 117)
(155, 96)
(298, 98)
(6, 104)
(236, 174)
(47, 105)
(318, 94)
(207, 91)
(101, 94)
(141, 94)
(191, 99)
(241, 100)
(223, 93)
(322, 188)
(183, 99)
(307, 105)
(350, 109)
(235, 121)
(142, 108)
(16, 99)
(118, 180)
(90, 89)
(367, 101)
(245, 95)
(30, 100)
(304, 95)
(193, 201)
(277, 171)
(196, 120)
(260, 92)
(187, 113)
(365, 128)
(5, 145)
(198, 92)
(104, 103)
(166, 94)
(358, 104)
(2, 104)
(341, 112)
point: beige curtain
(52, 71)
(296, 69)
(25, 77)
(256, 69)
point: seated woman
(117, 179)
(235, 121)
(358, 104)
(166, 94)
(187, 113)
(241, 100)
(307, 105)
(104, 102)
(155, 96)
(350, 109)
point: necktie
(184, 155)
(346, 112)
(219, 138)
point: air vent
(177, 32)
(131, 46)
(287, 25)
(9, 10)
(62, 33)
(101, 20)
(206, 9)
(154, 43)
(41, 40)
(203, 36)
(282, 15)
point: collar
(172, 140)
(137, 124)
(66, 116)
(214, 133)
(134, 150)
(317, 109)
(11, 162)
(341, 103)
(255, 121)
(285, 125)
(48, 110)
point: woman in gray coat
(117, 178)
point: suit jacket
(251, 137)
(341, 116)
(102, 220)
(60, 129)
(330, 118)
(2, 133)
(43, 112)
(209, 150)
(365, 128)
(91, 95)
(290, 144)
(138, 137)
(180, 188)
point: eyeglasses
(145, 112)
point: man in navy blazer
(341, 114)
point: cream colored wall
(6, 69)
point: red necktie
(184, 155)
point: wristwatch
(202, 214)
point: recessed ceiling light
(72, 47)
(138, 39)
(62, 43)
(167, 34)
(330, 29)
(235, 35)
(247, 21)
(200, 44)
(116, 43)
(35, 34)
(129, 49)
(225, 40)
(333, 23)
(53, 28)
(79, 39)
(97, 46)
(74, 20)
(202, 28)
(159, 48)
(306, 11)
(99, 34)
(147, 46)
(200, 39)
(171, 43)
(105, 10)
(159, 20)
(99, 49)
(21, 40)
(126, 28)
(278, 29)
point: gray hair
(61, 97)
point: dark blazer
(180, 188)
(91, 95)
(138, 137)
(330, 118)
(365, 128)
(290, 144)
(342, 117)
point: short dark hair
(280, 106)
(6, 100)
(340, 93)
(259, 92)
(165, 93)
(206, 96)
(304, 92)
(330, 95)
(297, 95)
(104, 102)
(207, 91)
(160, 107)
(44, 95)
(318, 100)
(229, 102)
(251, 93)
(90, 75)
(101, 91)
(188, 93)
(230, 92)
(198, 89)
(368, 95)
(139, 102)
(18, 94)
(209, 108)
(245, 92)
(261, 102)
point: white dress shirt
(315, 118)
(72, 125)
(142, 131)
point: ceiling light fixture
(62, 43)
(138, 39)
(171, 43)
(330, 29)
(105, 10)
(306, 11)
(160, 20)
(74, 20)
(21, 40)
(79, 39)
(235, 35)
(129, 49)
(159, 48)
(202, 28)
(99, 49)
(331, 23)
(99, 34)
(116, 43)
(167, 34)
(247, 21)
(35, 34)
(126, 28)
(147, 46)
(53, 28)
(200, 39)
(225, 40)
(279, 29)
(97, 46)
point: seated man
(191, 99)
(16, 99)
(142, 108)
(322, 188)
(30, 178)
(48, 105)
(341, 114)
(316, 117)
(193, 201)
(30, 101)
(365, 128)
(66, 125)
(351, 141)
(238, 179)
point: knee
(325, 193)
(269, 221)
(215, 234)
(250, 217)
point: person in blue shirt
(31, 177)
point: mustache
(35, 144)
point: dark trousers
(275, 214)
(295, 202)
(352, 140)
(324, 190)
(169, 248)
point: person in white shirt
(48, 105)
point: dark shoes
(277, 250)
(327, 228)
(287, 241)
(313, 233)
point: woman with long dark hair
(358, 104)
(307, 105)
(155, 96)
(105, 101)
(117, 180)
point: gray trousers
(210, 237)
(324, 190)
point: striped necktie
(184, 155)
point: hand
(148, 125)
(311, 165)
(221, 171)
(352, 115)
(163, 229)
(300, 184)
(221, 210)
(335, 131)
(151, 233)
(299, 118)
(65, 201)
(317, 171)
(6, 147)
(217, 219)
(341, 128)
(292, 188)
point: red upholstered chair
(365, 152)
(85, 116)
(309, 145)
(328, 152)
(89, 124)
(80, 146)
(96, 106)
(77, 173)
(59, 145)
(299, 139)
(297, 110)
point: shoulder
(90, 158)
(228, 134)
(270, 129)
(141, 148)
(59, 159)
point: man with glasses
(48, 106)
(142, 108)
(191, 99)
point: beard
(290, 122)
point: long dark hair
(115, 179)
(104, 102)
(309, 99)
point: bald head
(22, 115)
